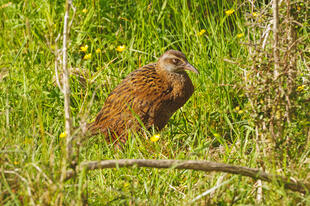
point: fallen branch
(200, 165)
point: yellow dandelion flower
(98, 50)
(87, 56)
(201, 32)
(84, 11)
(63, 135)
(155, 138)
(255, 14)
(84, 48)
(15, 162)
(217, 135)
(240, 35)
(120, 48)
(237, 108)
(300, 88)
(229, 12)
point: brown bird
(147, 96)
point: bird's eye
(175, 61)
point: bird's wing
(137, 95)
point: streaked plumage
(151, 94)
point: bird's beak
(190, 67)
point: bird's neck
(180, 82)
(178, 79)
(181, 86)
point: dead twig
(276, 38)
(199, 165)
(66, 83)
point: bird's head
(175, 62)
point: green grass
(208, 127)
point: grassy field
(213, 125)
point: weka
(148, 95)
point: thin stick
(259, 195)
(66, 91)
(200, 165)
(275, 37)
(66, 83)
